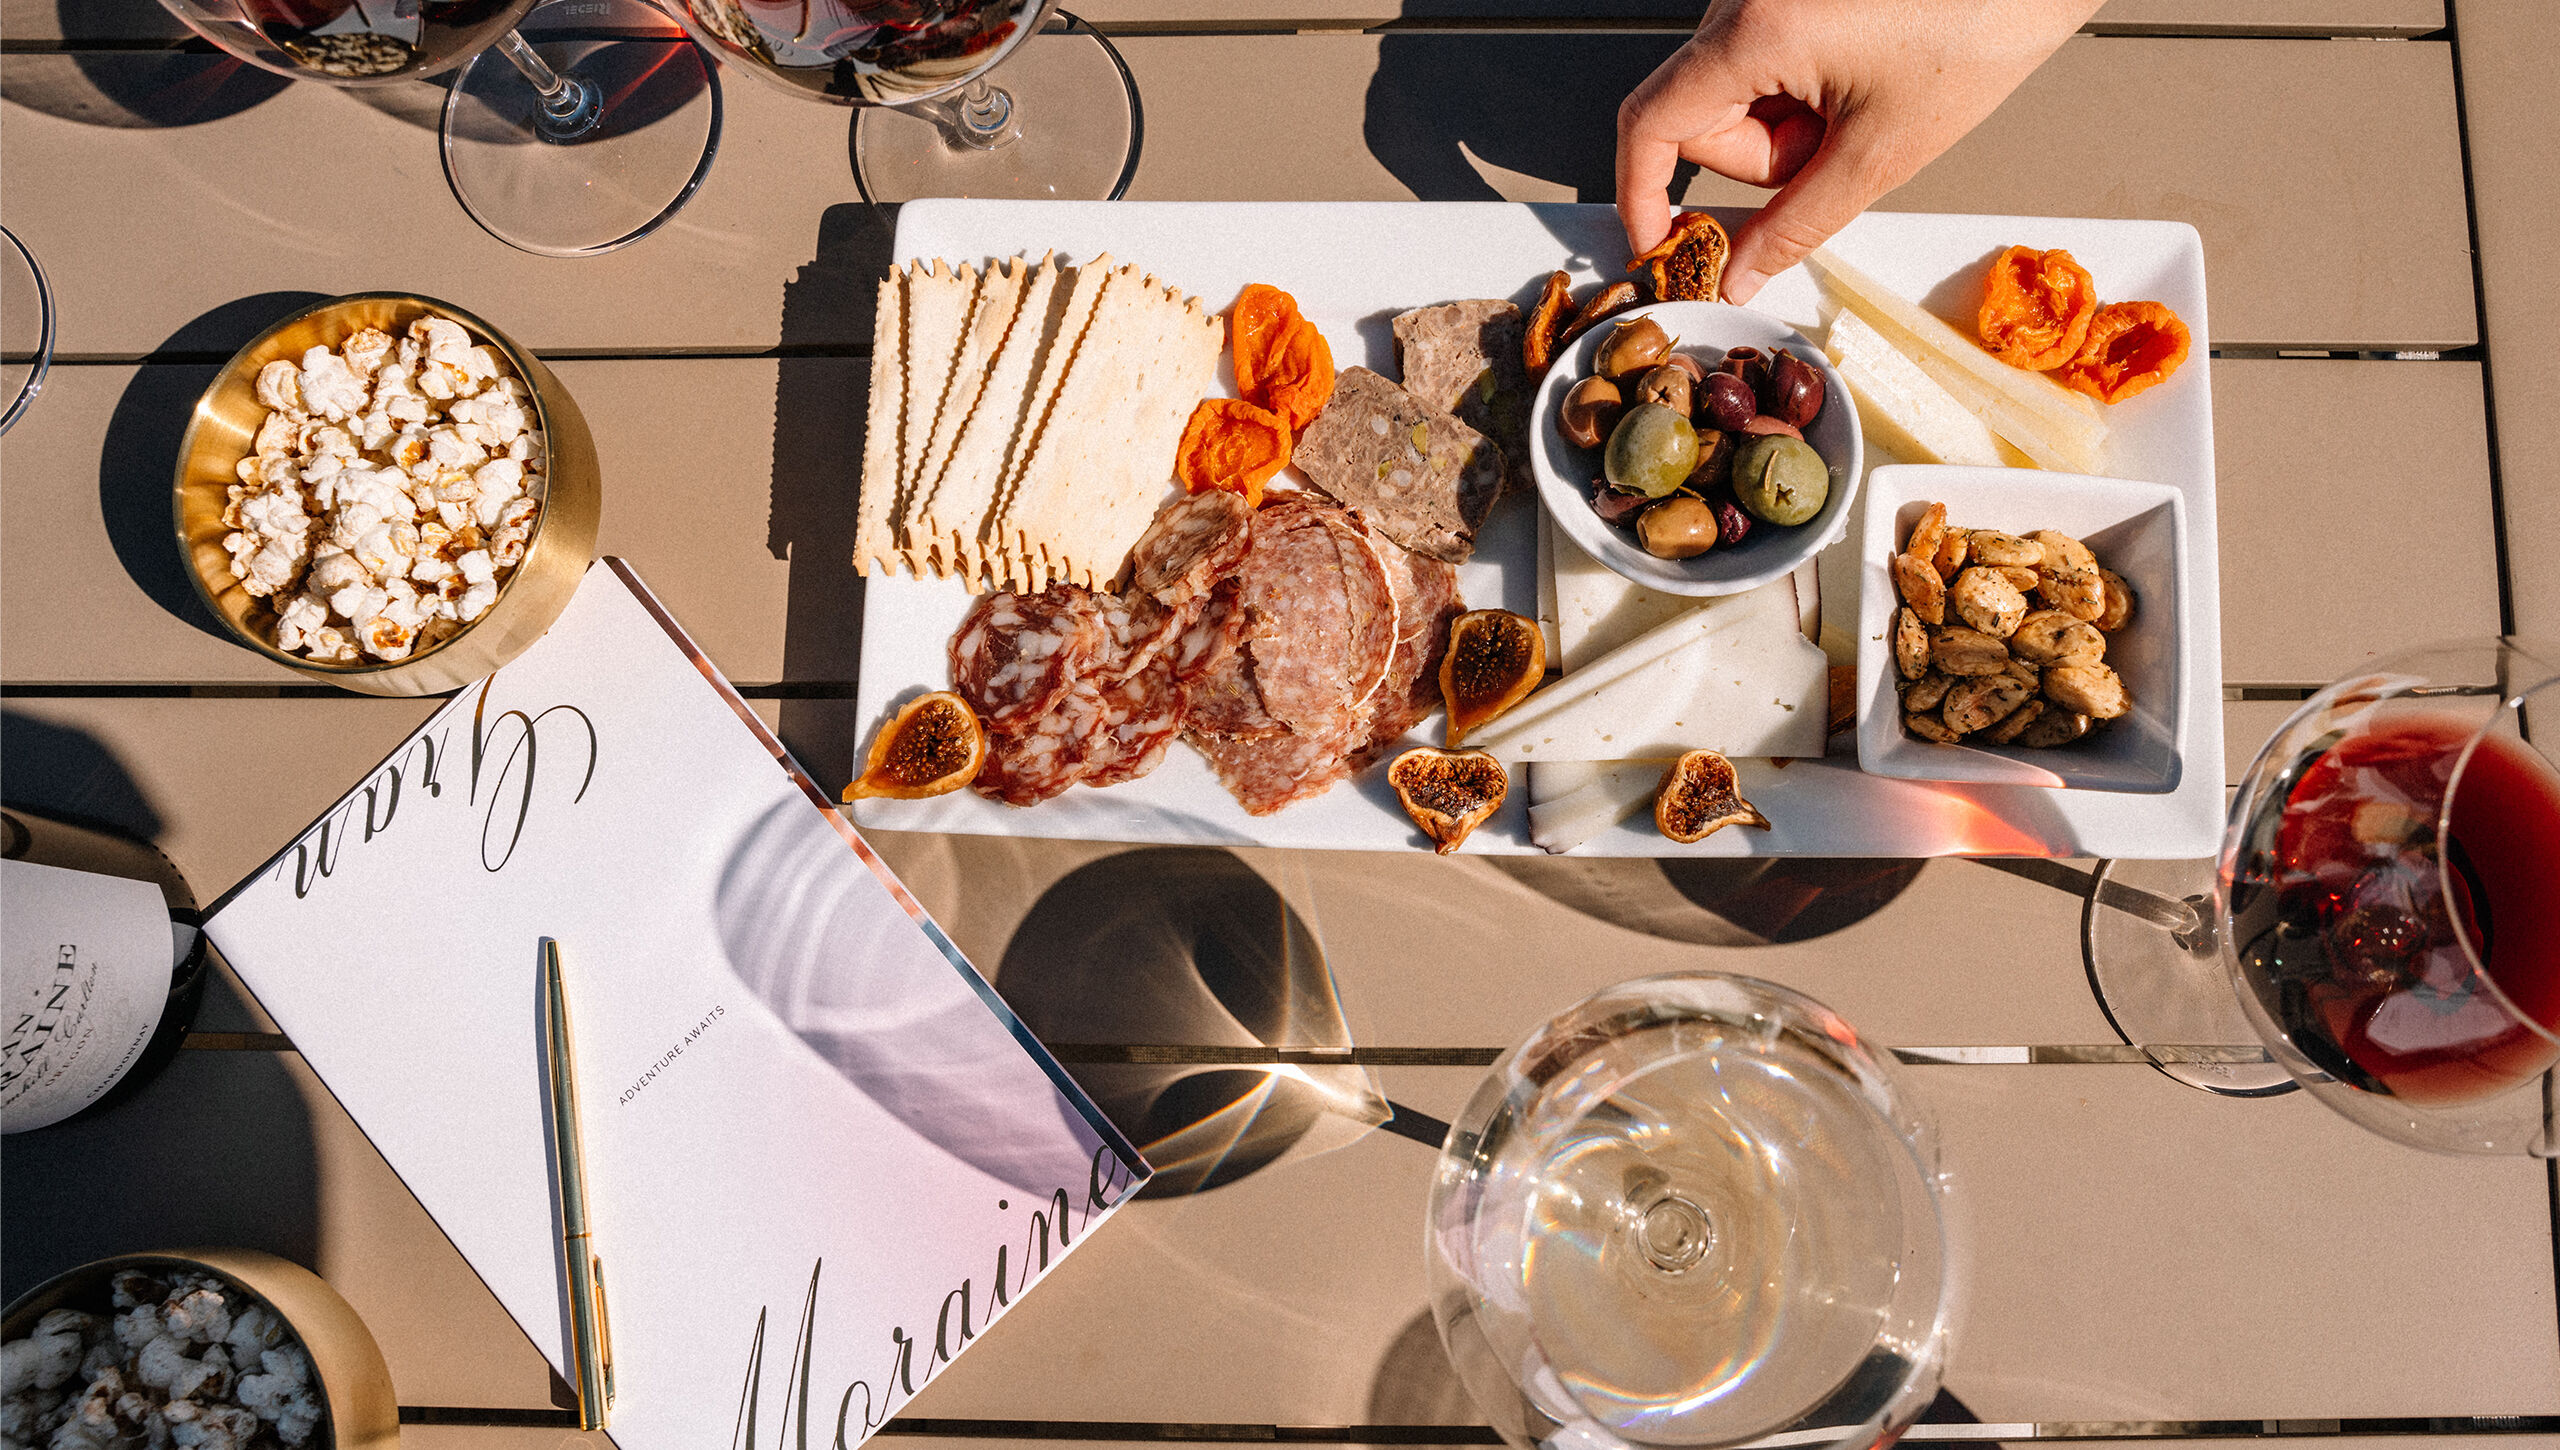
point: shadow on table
(216, 1150)
(135, 89)
(1188, 945)
(819, 406)
(138, 461)
(1724, 903)
(1543, 105)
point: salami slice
(1426, 600)
(1214, 634)
(1031, 763)
(1272, 774)
(1194, 542)
(1321, 616)
(1138, 630)
(1015, 654)
(1141, 715)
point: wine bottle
(102, 967)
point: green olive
(1780, 480)
(1677, 528)
(1651, 451)
(1635, 347)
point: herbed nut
(1921, 588)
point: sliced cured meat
(1193, 543)
(1031, 763)
(1321, 615)
(1213, 634)
(1141, 715)
(1411, 471)
(1426, 599)
(1015, 654)
(1137, 630)
(1278, 772)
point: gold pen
(590, 1336)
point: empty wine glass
(584, 143)
(2387, 905)
(1692, 1210)
(26, 318)
(1065, 124)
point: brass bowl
(364, 1413)
(562, 545)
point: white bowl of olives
(1696, 447)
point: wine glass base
(2166, 990)
(622, 177)
(1079, 129)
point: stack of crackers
(1024, 418)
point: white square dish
(1353, 266)
(2139, 530)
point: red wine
(2358, 927)
(859, 52)
(353, 41)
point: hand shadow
(1544, 105)
(138, 462)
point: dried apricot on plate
(1231, 444)
(2132, 346)
(2036, 308)
(1282, 361)
(932, 746)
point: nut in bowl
(1696, 448)
(2020, 680)
(386, 493)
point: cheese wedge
(1740, 678)
(1903, 409)
(1609, 794)
(2048, 422)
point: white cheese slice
(1902, 408)
(1737, 676)
(1609, 794)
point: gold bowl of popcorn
(386, 493)
(216, 1349)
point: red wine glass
(1064, 125)
(2387, 905)
(580, 133)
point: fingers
(1845, 175)
(1692, 94)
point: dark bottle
(104, 967)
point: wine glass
(585, 144)
(2387, 905)
(1064, 125)
(1692, 1210)
(26, 315)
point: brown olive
(1635, 347)
(1789, 389)
(1666, 385)
(1740, 362)
(1677, 528)
(1763, 424)
(1696, 370)
(1591, 409)
(1612, 506)
(1715, 458)
(1727, 402)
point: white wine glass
(581, 139)
(1064, 124)
(1693, 1210)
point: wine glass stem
(979, 119)
(570, 107)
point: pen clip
(604, 1327)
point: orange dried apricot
(1282, 362)
(932, 746)
(2036, 308)
(1231, 444)
(2132, 346)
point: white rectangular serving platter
(1352, 267)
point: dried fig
(1495, 659)
(932, 746)
(1606, 303)
(1448, 792)
(1687, 264)
(1540, 338)
(1701, 796)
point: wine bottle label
(84, 977)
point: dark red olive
(1728, 402)
(1615, 507)
(1740, 361)
(1766, 424)
(1789, 389)
(1716, 448)
(1732, 524)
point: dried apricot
(1231, 444)
(2132, 346)
(2036, 308)
(932, 746)
(1282, 362)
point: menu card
(821, 1154)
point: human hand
(1834, 102)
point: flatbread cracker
(1012, 527)
(874, 535)
(937, 309)
(965, 496)
(991, 310)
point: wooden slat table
(2375, 185)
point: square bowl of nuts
(386, 493)
(2018, 627)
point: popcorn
(393, 486)
(186, 1364)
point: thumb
(1845, 175)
